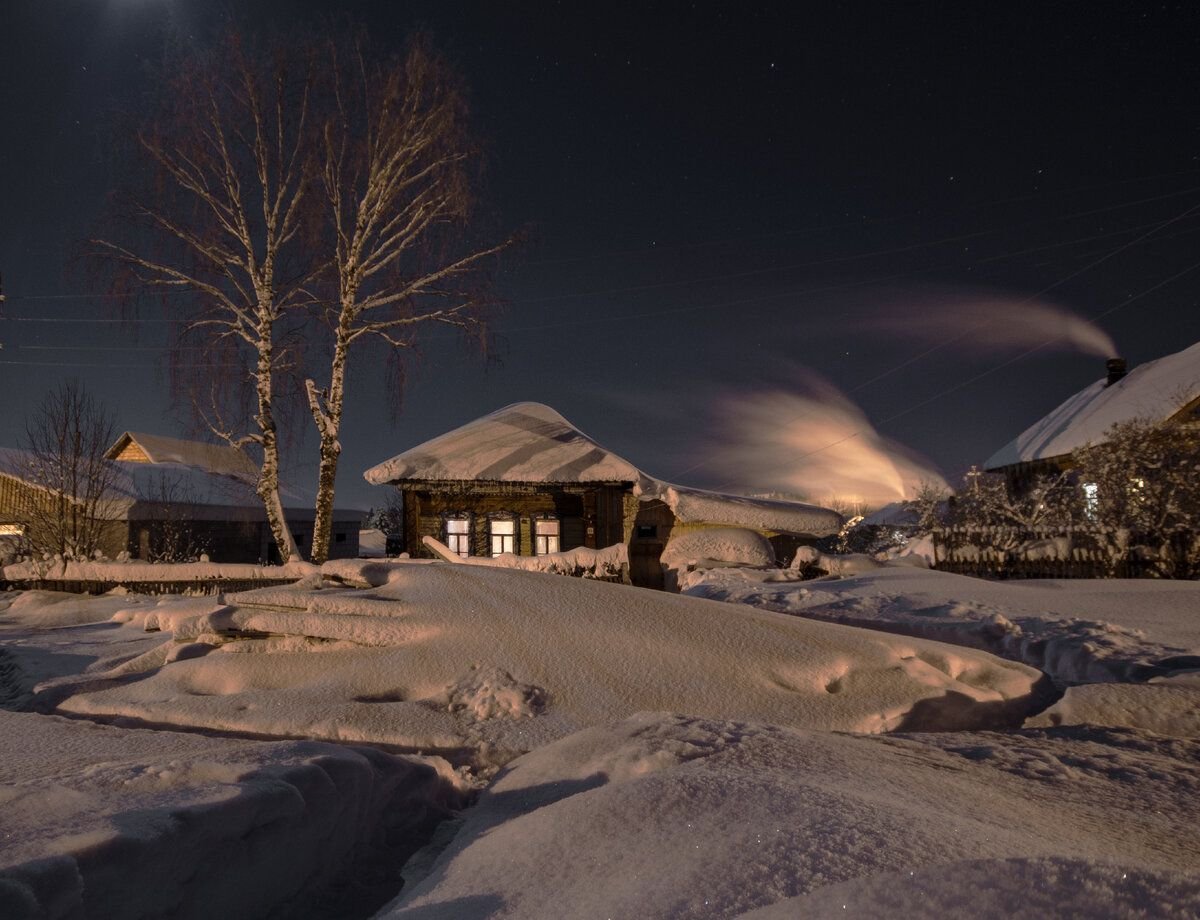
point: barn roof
(212, 458)
(529, 442)
(1156, 390)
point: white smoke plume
(981, 322)
(818, 444)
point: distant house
(1167, 389)
(524, 480)
(175, 497)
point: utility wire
(732, 276)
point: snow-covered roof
(697, 506)
(530, 442)
(213, 458)
(139, 488)
(524, 442)
(1156, 390)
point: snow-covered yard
(640, 753)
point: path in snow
(98, 821)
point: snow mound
(374, 665)
(718, 544)
(48, 609)
(105, 822)
(1078, 631)
(809, 557)
(493, 693)
(668, 816)
(1167, 707)
(1052, 887)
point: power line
(691, 308)
(660, 285)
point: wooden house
(177, 498)
(211, 487)
(524, 480)
(1167, 389)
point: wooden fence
(1011, 552)
(207, 586)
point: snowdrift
(103, 822)
(486, 663)
(666, 816)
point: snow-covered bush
(1130, 503)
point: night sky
(725, 204)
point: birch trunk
(328, 419)
(268, 479)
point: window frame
(539, 538)
(513, 539)
(457, 541)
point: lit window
(458, 535)
(1091, 499)
(504, 532)
(12, 530)
(546, 537)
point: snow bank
(104, 822)
(610, 563)
(667, 816)
(388, 665)
(1049, 887)
(1077, 631)
(719, 544)
(1167, 706)
(809, 557)
(47, 609)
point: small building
(175, 499)
(524, 480)
(1167, 389)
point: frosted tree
(221, 221)
(395, 169)
(1144, 477)
(987, 500)
(76, 502)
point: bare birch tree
(394, 178)
(230, 160)
(77, 502)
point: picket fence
(1011, 552)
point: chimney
(1116, 370)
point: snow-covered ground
(99, 821)
(487, 663)
(649, 754)
(1076, 631)
(668, 816)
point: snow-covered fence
(1014, 552)
(146, 577)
